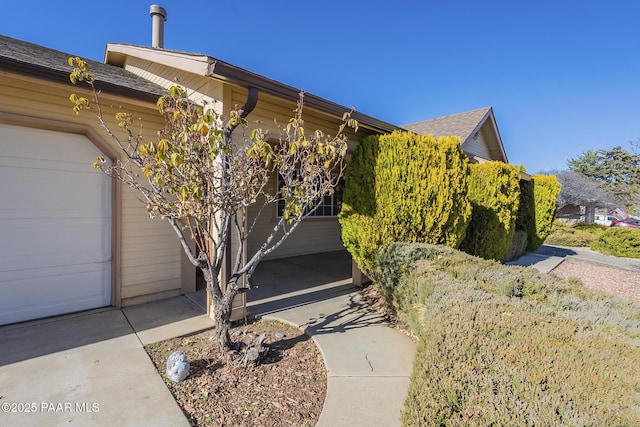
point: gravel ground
(618, 276)
(623, 283)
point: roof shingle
(462, 124)
(24, 57)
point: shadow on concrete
(281, 284)
(27, 340)
(278, 303)
(356, 315)
(299, 273)
(163, 312)
(298, 281)
(555, 251)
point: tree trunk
(221, 306)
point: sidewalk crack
(366, 356)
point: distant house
(73, 239)
(477, 129)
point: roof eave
(497, 131)
(59, 76)
(211, 67)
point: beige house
(73, 239)
(227, 87)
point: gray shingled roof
(462, 124)
(28, 58)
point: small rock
(279, 335)
(237, 333)
(177, 366)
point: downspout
(250, 104)
(244, 111)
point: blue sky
(562, 76)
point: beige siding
(149, 251)
(269, 108)
(477, 146)
(313, 235)
(201, 89)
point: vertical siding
(150, 252)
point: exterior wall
(478, 146)
(201, 89)
(313, 235)
(147, 257)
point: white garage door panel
(63, 290)
(54, 242)
(55, 225)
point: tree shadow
(279, 347)
(200, 366)
(358, 314)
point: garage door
(55, 225)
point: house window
(329, 205)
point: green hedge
(577, 235)
(418, 194)
(545, 193)
(619, 241)
(507, 346)
(358, 214)
(494, 192)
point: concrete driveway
(90, 368)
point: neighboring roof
(27, 58)
(462, 124)
(205, 65)
(465, 125)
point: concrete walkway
(368, 361)
(548, 257)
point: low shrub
(619, 241)
(591, 227)
(509, 346)
(566, 235)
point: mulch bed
(288, 389)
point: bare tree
(202, 182)
(581, 191)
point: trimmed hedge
(494, 192)
(545, 193)
(418, 194)
(508, 346)
(619, 241)
(358, 213)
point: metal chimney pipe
(158, 16)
